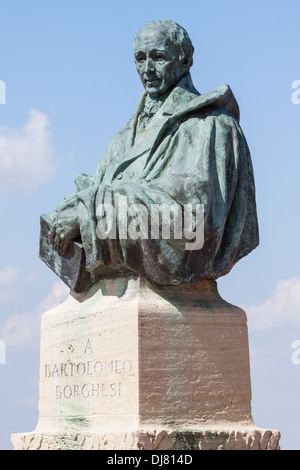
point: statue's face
(157, 62)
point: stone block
(132, 365)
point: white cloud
(8, 278)
(283, 306)
(8, 275)
(26, 155)
(24, 328)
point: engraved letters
(97, 390)
(103, 370)
(91, 368)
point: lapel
(182, 100)
(143, 143)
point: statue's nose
(150, 65)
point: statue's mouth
(153, 82)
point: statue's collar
(184, 98)
(182, 94)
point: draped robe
(192, 151)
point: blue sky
(71, 84)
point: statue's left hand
(61, 235)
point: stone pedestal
(129, 365)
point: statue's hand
(61, 235)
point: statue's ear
(187, 63)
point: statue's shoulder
(211, 117)
(122, 134)
(219, 115)
(209, 120)
(220, 103)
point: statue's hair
(178, 37)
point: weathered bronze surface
(179, 147)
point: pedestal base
(245, 438)
(132, 366)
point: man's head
(163, 53)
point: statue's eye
(140, 59)
(159, 57)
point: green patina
(179, 147)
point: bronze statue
(179, 148)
